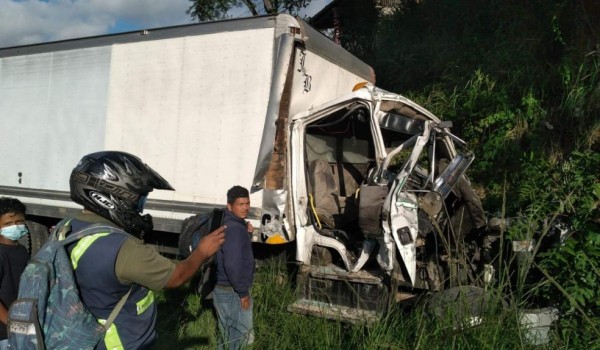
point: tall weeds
(186, 323)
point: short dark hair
(237, 192)
(11, 205)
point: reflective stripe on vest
(82, 245)
(145, 303)
(112, 341)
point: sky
(24, 22)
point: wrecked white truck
(368, 186)
(379, 205)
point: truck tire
(38, 234)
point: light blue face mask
(14, 232)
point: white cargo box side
(198, 103)
(191, 106)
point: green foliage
(520, 80)
(207, 10)
(185, 323)
(574, 257)
(574, 264)
(359, 22)
(580, 104)
(570, 269)
(574, 273)
(569, 186)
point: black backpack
(192, 230)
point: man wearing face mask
(13, 257)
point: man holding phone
(235, 274)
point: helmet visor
(141, 202)
(156, 181)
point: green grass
(183, 322)
(186, 323)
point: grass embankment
(185, 323)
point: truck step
(334, 312)
(333, 272)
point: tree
(206, 10)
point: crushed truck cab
(378, 200)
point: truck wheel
(38, 234)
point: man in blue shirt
(235, 274)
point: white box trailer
(197, 102)
(349, 174)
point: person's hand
(185, 269)
(249, 227)
(245, 302)
(210, 243)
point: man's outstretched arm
(208, 245)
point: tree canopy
(207, 10)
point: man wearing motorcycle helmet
(112, 187)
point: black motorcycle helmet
(115, 185)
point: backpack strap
(61, 230)
(117, 309)
(90, 230)
(61, 233)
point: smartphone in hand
(217, 219)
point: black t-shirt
(13, 259)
